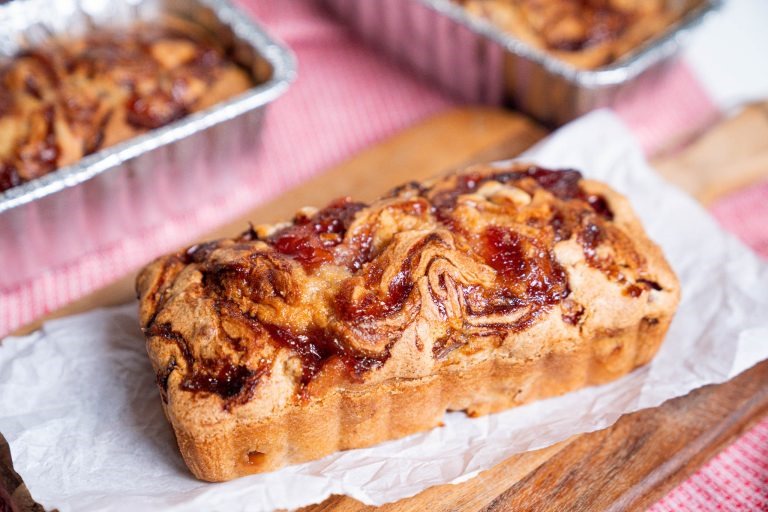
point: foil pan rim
(653, 52)
(284, 72)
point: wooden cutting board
(625, 467)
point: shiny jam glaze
(233, 382)
(355, 328)
(370, 305)
(563, 184)
(221, 377)
(310, 240)
(521, 263)
(316, 346)
(504, 253)
(528, 279)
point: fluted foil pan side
(129, 187)
(480, 63)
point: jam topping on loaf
(478, 252)
(311, 239)
(478, 291)
(68, 99)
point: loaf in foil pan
(479, 62)
(133, 185)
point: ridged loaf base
(399, 407)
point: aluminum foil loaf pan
(480, 63)
(129, 187)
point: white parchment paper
(82, 415)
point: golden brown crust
(401, 407)
(518, 278)
(584, 33)
(68, 99)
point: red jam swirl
(232, 382)
(222, 378)
(317, 346)
(528, 278)
(310, 240)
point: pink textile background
(348, 97)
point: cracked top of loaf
(512, 262)
(68, 99)
(585, 33)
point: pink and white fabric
(348, 97)
(736, 479)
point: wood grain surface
(625, 467)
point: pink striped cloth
(347, 98)
(735, 479)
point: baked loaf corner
(355, 324)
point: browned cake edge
(400, 407)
